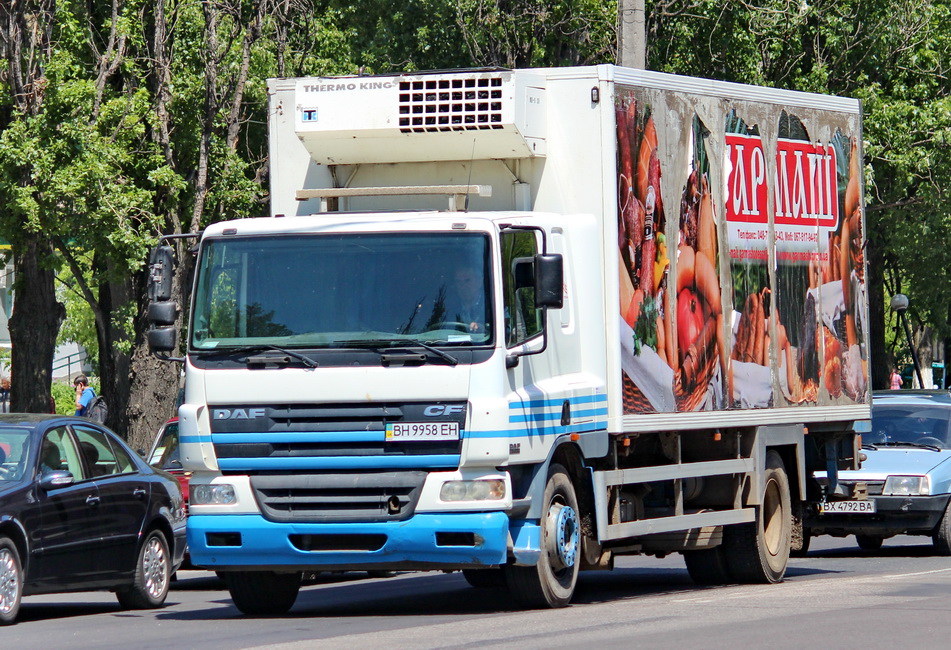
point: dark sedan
(80, 511)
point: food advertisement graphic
(672, 343)
(749, 293)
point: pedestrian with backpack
(84, 394)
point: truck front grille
(323, 438)
(361, 496)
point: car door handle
(138, 493)
(92, 500)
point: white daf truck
(519, 322)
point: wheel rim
(9, 581)
(772, 518)
(155, 567)
(563, 546)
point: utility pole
(632, 34)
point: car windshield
(338, 291)
(165, 454)
(927, 425)
(14, 451)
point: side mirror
(163, 339)
(549, 281)
(56, 479)
(163, 313)
(161, 273)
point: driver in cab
(466, 306)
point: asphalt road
(837, 596)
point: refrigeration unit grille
(453, 104)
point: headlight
(485, 490)
(900, 486)
(220, 494)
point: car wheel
(153, 572)
(869, 542)
(263, 593)
(942, 534)
(11, 581)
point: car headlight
(484, 490)
(900, 486)
(219, 494)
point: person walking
(84, 394)
(896, 379)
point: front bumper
(426, 541)
(893, 516)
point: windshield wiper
(453, 361)
(896, 443)
(307, 361)
(377, 345)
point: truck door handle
(138, 493)
(92, 500)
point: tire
(11, 581)
(801, 535)
(803, 549)
(263, 593)
(758, 552)
(484, 578)
(708, 566)
(942, 534)
(551, 582)
(869, 542)
(153, 573)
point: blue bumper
(426, 541)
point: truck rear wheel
(708, 566)
(758, 552)
(263, 593)
(551, 582)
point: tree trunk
(34, 325)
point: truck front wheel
(551, 582)
(758, 552)
(263, 593)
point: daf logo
(437, 410)
(237, 414)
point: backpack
(98, 410)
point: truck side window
(522, 319)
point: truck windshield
(339, 291)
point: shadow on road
(436, 594)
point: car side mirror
(56, 479)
